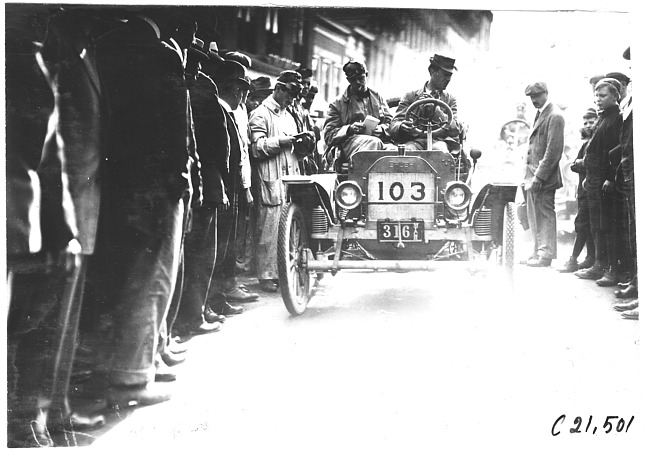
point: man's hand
(355, 129)
(608, 187)
(224, 205)
(440, 115)
(378, 131)
(408, 128)
(536, 185)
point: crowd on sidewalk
(606, 219)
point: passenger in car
(441, 69)
(348, 124)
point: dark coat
(606, 137)
(212, 139)
(149, 132)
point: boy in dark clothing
(581, 222)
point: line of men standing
(128, 181)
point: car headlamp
(457, 196)
(348, 195)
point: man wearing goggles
(275, 153)
(359, 118)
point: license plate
(400, 231)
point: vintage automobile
(392, 210)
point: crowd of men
(144, 172)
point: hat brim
(197, 54)
(215, 57)
(447, 69)
(244, 82)
(261, 93)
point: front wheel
(292, 252)
(508, 241)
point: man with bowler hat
(543, 176)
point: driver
(403, 131)
(344, 125)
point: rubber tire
(508, 241)
(292, 240)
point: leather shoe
(211, 317)
(629, 306)
(268, 285)
(131, 395)
(629, 292)
(229, 310)
(241, 294)
(593, 273)
(176, 347)
(631, 314)
(204, 328)
(570, 266)
(586, 263)
(609, 279)
(539, 262)
(172, 359)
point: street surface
(443, 362)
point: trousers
(540, 208)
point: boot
(609, 279)
(570, 266)
(586, 263)
(630, 291)
(595, 272)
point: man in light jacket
(543, 177)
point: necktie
(536, 117)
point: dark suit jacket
(149, 136)
(545, 148)
(212, 140)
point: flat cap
(290, 76)
(594, 79)
(620, 77)
(609, 81)
(590, 112)
(536, 88)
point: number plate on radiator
(400, 231)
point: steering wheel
(518, 129)
(422, 114)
